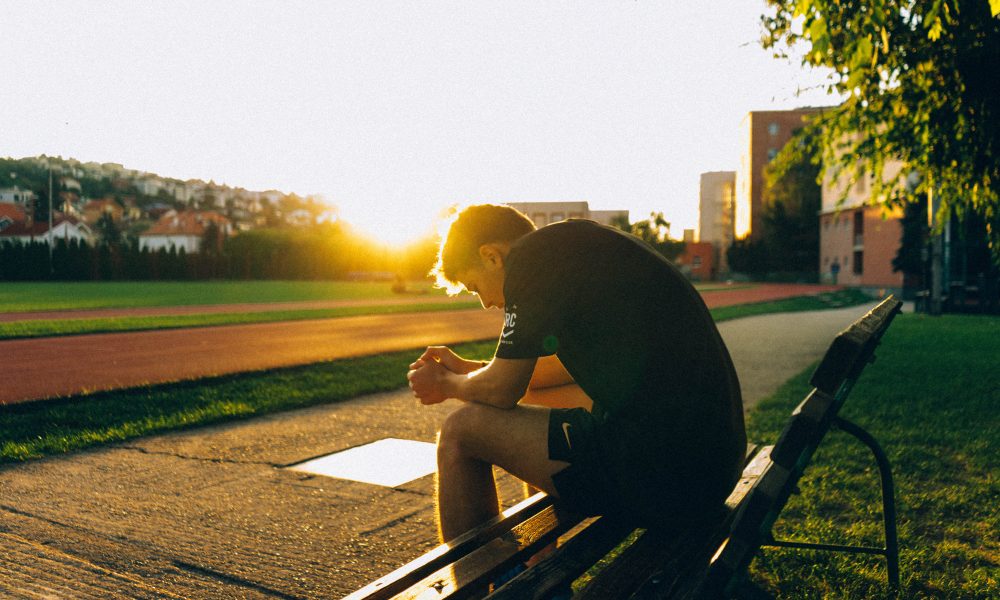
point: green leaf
(862, 53)
(817, 31)
(935, 31)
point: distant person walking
(593, 318)
(834, 271)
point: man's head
(474, 250)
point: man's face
(485, 282)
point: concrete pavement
(212, 513)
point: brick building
(856, 240)
(762, 135)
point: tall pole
(937, 244)
(52, 268)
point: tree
(108, 230)
(921, 86)
(655, 231)
(792, 201)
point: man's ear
(493, 255)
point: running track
(61, 366)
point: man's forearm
(482, 387)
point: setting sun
(393, 228)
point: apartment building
(762, 135)
(544, 213)
(716, 205)
(858, 241)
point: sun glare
(395, 229)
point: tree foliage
(921, 81)
(655, 231)
(792, 201)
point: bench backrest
(851, 351)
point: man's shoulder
(558, 235)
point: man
(590, 305)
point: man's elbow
(506, 397)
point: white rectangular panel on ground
(390, 462)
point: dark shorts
(620, 469)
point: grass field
(56, 327)
(931, 399)
(74, 295)
(71, 295)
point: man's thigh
(515, 440)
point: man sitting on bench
(664, 441)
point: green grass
(56, 327)
(73, 295)
(825, 300)
(932, 401)
(37, 429)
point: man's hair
(469, 229)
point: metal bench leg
(888, 496)
(891, 549)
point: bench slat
(415, 570)
(574, 557)
(475, 571)
(841, 359)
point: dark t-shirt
(634, 334)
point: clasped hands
(430, 374)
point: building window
(539, 219)
(858, 262)
(556, 217)
(696, 262)
(771, 153)
(773, 129)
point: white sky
(393, 110)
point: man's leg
(473, 439)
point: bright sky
(394, 110)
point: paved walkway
(212, 513)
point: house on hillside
(95, 209)
(10, 214)
(182, 230)
(64, 227)
(16, 195)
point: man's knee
(461, 428)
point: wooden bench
(706, 560)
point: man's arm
(501, 383)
